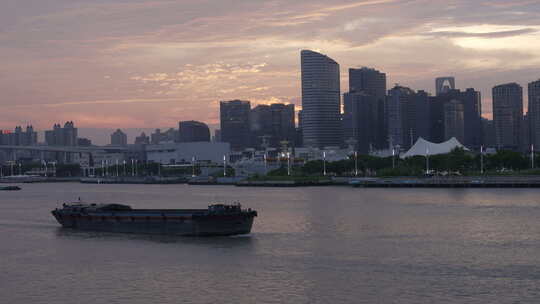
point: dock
(449, 182)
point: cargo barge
(216, 220)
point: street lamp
(324, 163)
(224, 165)
(393, 158)
(289, 163)
(481, 159)
(355, 163)
(427, 161)
(193, 166)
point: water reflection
(245, 241)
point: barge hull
(186, 225)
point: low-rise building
(172, 153)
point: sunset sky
(146, 64)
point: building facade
(508, 115)
(19, 137)
(454, 121)
(119, 138)
(62, 136)
(372, 82)
(142, 139)
(321, 104)
(193, 131)
(235, 125)
(472, 116)
(359, 127)
(399, 102)
(158, 137)
(534, 113)
(178, 153)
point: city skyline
(118, 67)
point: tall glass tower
(508, 115)
(321, 104)
(534, 112)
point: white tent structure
(423, 147)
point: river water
(308, 245)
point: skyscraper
(58, 136)
(399, 103)
(193, 131)
(321, 105)
(454, 122)
(119, 138)
(372, 83)
(283, 122)
(508, 115)
(419, 116)
(472, 115)
(234, 119)
(271, 124)
(358, 122)
(444, 84)
(534, 113)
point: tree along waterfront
(457, 162)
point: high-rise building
(373, 83)
(119, 138)
(272, 124)
(454, 121)
(193, 131)
(488, 133)
(358, 123)
(321, 105)
(525, 136)
(62, 136)
(369, 81)
(508, 115)
(419, 117)
(283, 122)
(169, 136)
(70, 134)
(472, 107)
(444, 85)
(534, 113)
(398, 105)
(235, 126)
(142, 139)
(261, 128)
(19, 137)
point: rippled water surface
(308, 245)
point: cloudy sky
(144, 63)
